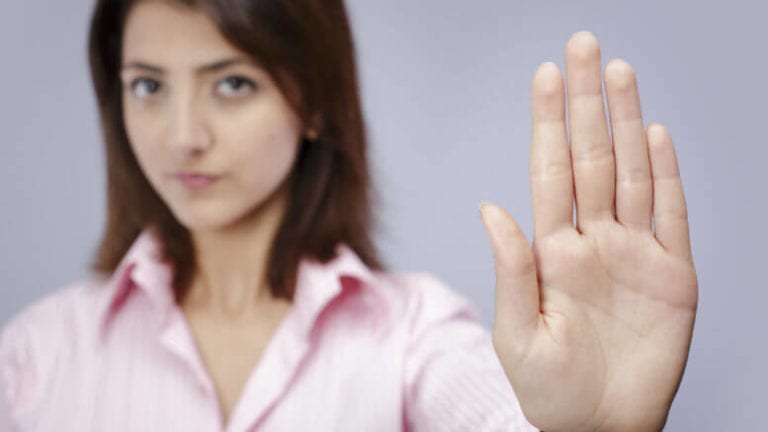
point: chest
(138, 383)
(231, 350)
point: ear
(315, 125)
(311, 134)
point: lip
(195, 181)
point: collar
(142, 269)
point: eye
(144, 87)
(234, 86)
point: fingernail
(483, 206)
(484, 209)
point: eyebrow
(204, 69)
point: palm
(593, 323)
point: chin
(223, 214)
(207, 219)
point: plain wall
(445, 86)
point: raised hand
(593, 322)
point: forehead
(168, 32)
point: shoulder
(426, 292)
(414, 298)
(34, 337)
(421, 301)
(49, 312)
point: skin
(593, 322)
(231, 121)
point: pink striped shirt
(358, 351)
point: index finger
(550, 163)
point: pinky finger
(670, 216)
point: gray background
(445, 87)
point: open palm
(593, 322)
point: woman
(237, 286)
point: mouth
(195, 181)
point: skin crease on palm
(593, 322)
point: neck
(231, 274)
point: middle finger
(591, 150)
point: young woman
(237, 288)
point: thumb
(517, 289)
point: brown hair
(306, 45)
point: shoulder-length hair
(307, 47)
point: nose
(188, 131)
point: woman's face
(195, 105)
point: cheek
(267, 151)
(141, 132)
(144, 137)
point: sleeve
(453, 378)
(9, 361)
(5, 416)
(28, 343)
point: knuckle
(676, 213)
(634, 176)
(591, 151)
(550, 170)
